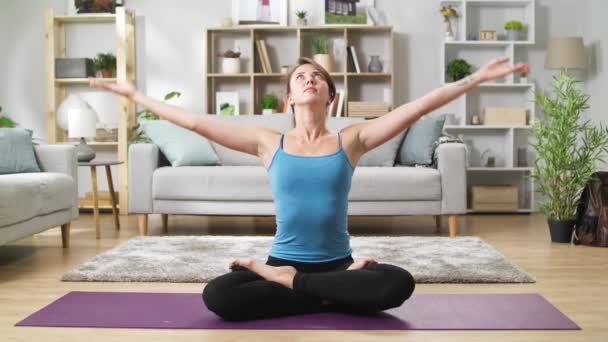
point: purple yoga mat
(187, 311)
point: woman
(310, 268)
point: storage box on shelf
(501, 135)
(262, 66)
(57, 47)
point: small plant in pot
(106, 64)
(320, 51)
(514, 29)
(301, 18)
(231, 62)
(270, 103)
(567, 151)
(458, 69)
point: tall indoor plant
(568, 149)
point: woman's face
(308, 86)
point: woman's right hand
(120, 88)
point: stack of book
(364, 109)
(263, 56)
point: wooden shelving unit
(55, 47)
(504, 141)
(285, 45)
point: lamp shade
(72, 102)
(82, 123)
(566, 53)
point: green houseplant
(106, 64)
(568, 149)
(138, 136)
(6, 122)
(270, 103)
(320, 51)
(514, 29)
(458, 69)
(301, 18)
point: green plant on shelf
(320, 44)
(270, 101)
(106, 64)
(138, 136)
(514, 25)
(458, 69)
(301, 14)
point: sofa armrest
(451, 163)
(61, 159)
(143, 160)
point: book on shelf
(335, 108)
(355, 60)
(258, 47)
(266, 58)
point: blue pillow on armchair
(419, 143)
(17, 151)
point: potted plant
(448, 13)
(458, 69)
(523, 77)
(514, 28)
(320, 51)
(270, 103)
(301, 18)
(567, 152)
(138, 136)
(231, 62)
(5, 121)
(95, 6)
(106, 64)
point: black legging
(317, 287)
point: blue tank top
(311, 203)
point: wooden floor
(573, 278)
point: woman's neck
(310, 125)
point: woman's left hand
(499, 68)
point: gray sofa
(241, 186)
(36, 201)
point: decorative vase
(561, 231)
(231, 65)
(323, 60)
(284, 69)
(374, 64)
(513, 34)
(268, 111)
(301, 22)
(449, 33)
(84, 152)
(523, 79)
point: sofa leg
(437, 224)
(165, 218)
(65, 235)
(143, 224)
(452, 225)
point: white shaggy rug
(201, 258)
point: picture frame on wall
(227, 103)
(260, 12)
(348, 12)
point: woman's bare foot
(282, 274)
(357, 265)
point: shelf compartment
(281, 48)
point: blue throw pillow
(17, 151)
(182, 147)
(417, 147)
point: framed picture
(256, 12)
(349, 12)
(227, 103)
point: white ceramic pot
(231, 65)
(268, 111)
(523, 80)
(324, 61)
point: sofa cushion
(27, 195)
(17, 151)
(383, 155)
(419, 143)
(279, 122)
(395, 184)
(212, 183)
(240, 183)
(182, 147)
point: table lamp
(80, 119)
(566, 53)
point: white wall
(171, 54)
